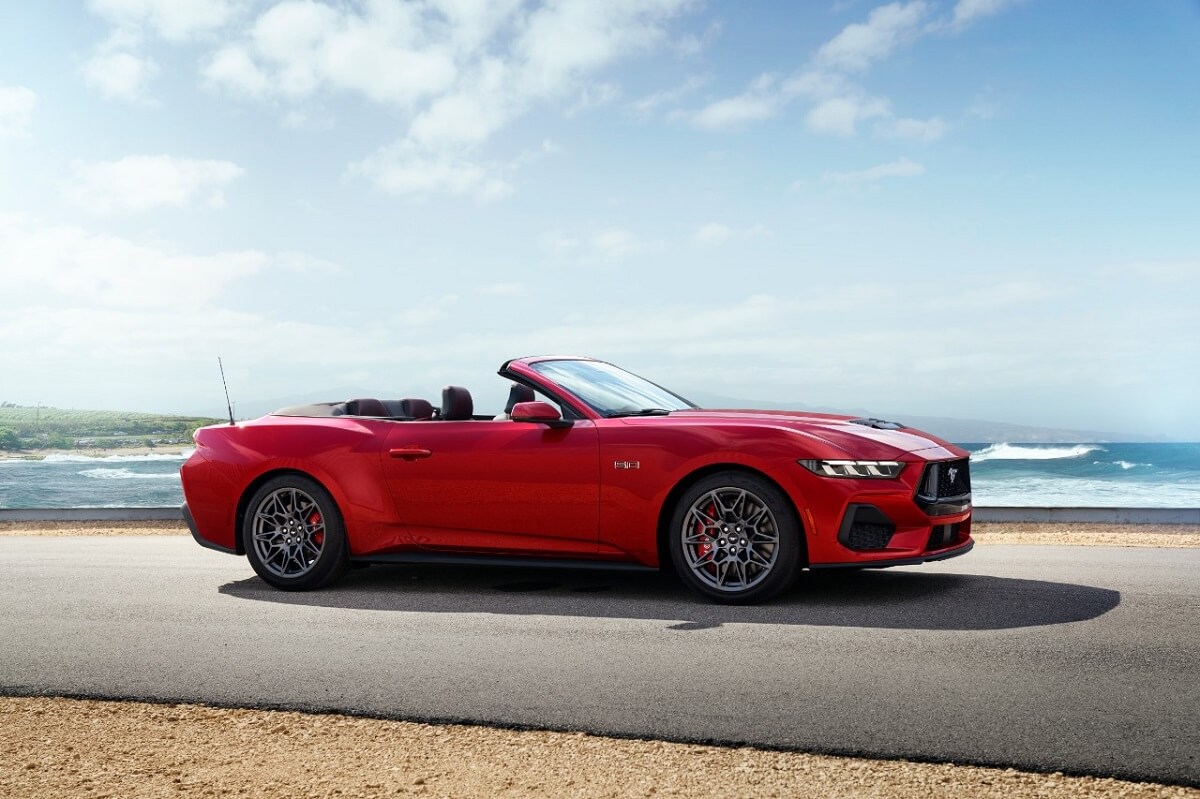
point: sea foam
(1025, 452)
(149, 456)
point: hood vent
(878, 424)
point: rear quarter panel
(343, 455)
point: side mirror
(538, 412)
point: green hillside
(23, 427)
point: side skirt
(484, 560)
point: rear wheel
(293, 534)
(734, 538)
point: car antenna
(228, 404)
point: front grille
(945, 487)
(869, 536)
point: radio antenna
(228, 404)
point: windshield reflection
(609, 389)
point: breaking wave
(1025, 452)
(126, 474)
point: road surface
(1079, 659)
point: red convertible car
(587, 465)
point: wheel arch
(672, 499)
(244, 500)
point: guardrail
(981, 514)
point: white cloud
(232, 68)
(1155, 272)
(406, 168)
(861, 44)
(716, 234)
(142, 182)
(690, 45)
(558, 243)
(425, 313)
(63, 264)
(16, 110)
(503, 290)
(463, 69)
(174, 20)
(967, 11)
(760, 101)
(901, 168)
(927, 130)
(712, 234)
(470, 115)
(616, 243)
(668, 97)
(595, 96)
(840, 116)
(119, 75)
(562, 42)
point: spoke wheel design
(730, 539)
(736, 538)
(293, 534)
(289, 532)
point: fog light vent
(865, 527)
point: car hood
(849, 435)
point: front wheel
(734, 537)
(293, 534)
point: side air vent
(865, 527)
(942, 536)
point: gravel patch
(54, 748)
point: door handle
(410, 453)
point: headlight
(877, 470)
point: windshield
(610, 391)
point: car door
(496, 486)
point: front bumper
(953, 552)
(923, 515)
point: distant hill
(59, 428)
(957, 430)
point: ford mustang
(587, 465)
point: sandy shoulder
(1107, 535)
(55, 748)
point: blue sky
(978, 209)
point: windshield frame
(608, 389)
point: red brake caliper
(318, 537)
(704, 548)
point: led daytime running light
(870, 470)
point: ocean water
(1018, 475)
(1086, 475)
(79, 481)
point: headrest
(518, 393)
(366, 407)
(456, 403)
(416, 408)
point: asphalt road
(1083, 660)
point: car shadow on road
(898, 599)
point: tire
(294, 535)
(734, 538)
